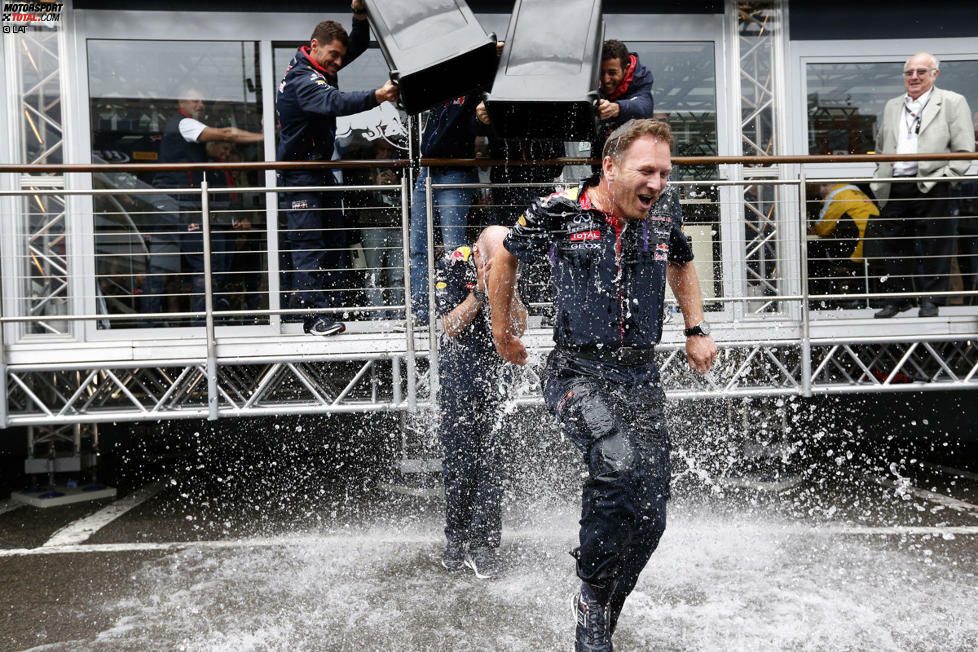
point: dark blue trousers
(614, 415)
(320, 258)
(472, 461)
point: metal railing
(755, 266)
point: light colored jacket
(945, 127)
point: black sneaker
(322, 326)
(593, 624)
(483, 561)
(453, 558)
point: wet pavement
(856, 555)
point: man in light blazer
(917, 229)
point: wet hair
(328, 31)
(613, 49)
(622, 138)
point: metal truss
(758, 25)
(138, 393)
(43, 240)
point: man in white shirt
(176, 243)
(916, 227)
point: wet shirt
(471, 355)
(609, 276)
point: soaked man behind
(613, 243)
(470, 426)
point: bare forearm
(685, 285)
(458, 319)
(502, 292)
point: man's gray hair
(935, 63)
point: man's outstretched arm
(502, 294)
(700, 349)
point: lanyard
(913, 124)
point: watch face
(704, 327)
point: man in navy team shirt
(308, 103)
(613, 242)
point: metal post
(3, 368)
(412, 368)
(396, 380)
(432, 346)
(806, 334)
(209, 305)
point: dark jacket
(451, 129)
(634, 98)
(308, 102)
(609, 277)
(174, 149)
(471, 356)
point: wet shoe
(593, 623)
(453, 558)
(927, 309)
(891, 310)
(323, 326)
(484, 562)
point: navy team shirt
(609, 276)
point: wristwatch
(702, 328)
(481, 296)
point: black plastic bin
(436, 49)
(547, 80)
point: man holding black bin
(308, 103)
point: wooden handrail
(471, 162)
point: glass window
(846, 100)
(149, 247)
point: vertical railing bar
(209, 305)
(432, 346)
(412, 363)
(806, 326)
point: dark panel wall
(478, 6)
(881, 19)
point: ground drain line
(932, 496)
(896, 530)
(9, 506)
(950, 470)
(79, 531)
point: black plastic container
(436, 49)
(547, 80)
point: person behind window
(308, 103)
(916, 222)
(380, 235)
(837, 256)
(968, 231)
(625, 91)
(176, 245)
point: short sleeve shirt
(609, 276)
